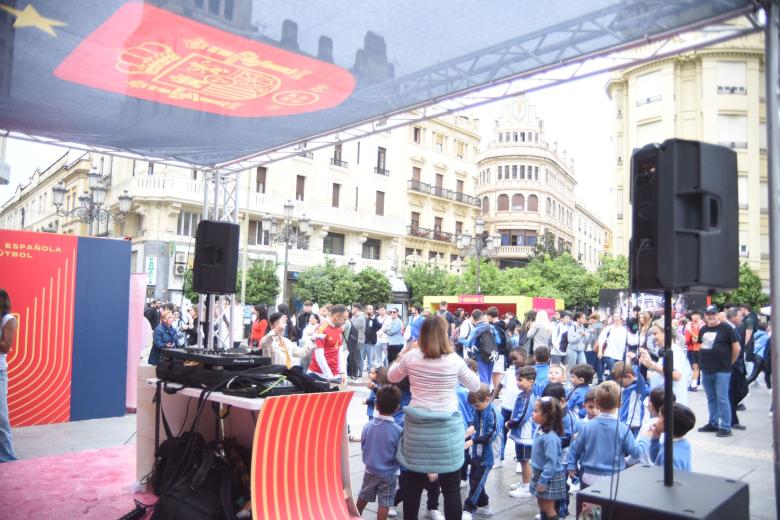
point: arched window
(518, 202)
(485, 204)
(548, 206)
(533, 203)
(502, 204)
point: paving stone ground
(746, 456)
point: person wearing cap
(719, 350)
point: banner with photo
(622, 301)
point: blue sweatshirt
(681, 458)
(760, 344)
(575, 401)
(521, 418)
(594, 448)
(632, 408)
(546, 455)
(541, 378)
(485, 426)
(379, 442)
(370, 402)
(569, 424)
(464, 407)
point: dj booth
(298, 442)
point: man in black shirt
(152, 313)
(447, 315)
(303, 318)
(719, 350)
(738, 388)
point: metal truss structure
(550, 57)
(220, 203)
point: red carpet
(86, 484)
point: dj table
(286, 435)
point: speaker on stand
(684, 238)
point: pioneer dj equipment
(227, 360)
(684, 217)
(641, 495)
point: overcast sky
(578, 115)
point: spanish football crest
(146, 52)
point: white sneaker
(392, 512)
(464, 483)
(434, 514)
(466, 516)
(538, 516)
(485, 511)
(517, 485)
(520, 492)
(518, 468)
(498, 464)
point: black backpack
(503, 345)
(487, 344)
(564, 343)
(352, 339)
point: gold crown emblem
(148, 58)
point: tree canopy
(262, 284)
(749, 290)
(329, 283)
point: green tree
(262, 284)
(466, 283)
(546, 246)
(552, 277)
(749, 290)
(327, 283)
(426, 280)
(612, 272)
(187, 289)
(373, 286)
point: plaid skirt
(556, 487)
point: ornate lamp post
(479, 246)
(90, 208)
(285, 232)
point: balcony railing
(514, 251)
(306, 155)
(430, 234)
(382, 171)
(444, 193)
(338, 162)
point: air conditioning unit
(179, 269)
(743, 250)
(180, 257)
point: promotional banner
(39, 272)
(137, 331)
(622, 301)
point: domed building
(526, 186)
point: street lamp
(478, 246)
(90, 208)
(285, 232)
(351, 264)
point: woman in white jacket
(613, 341)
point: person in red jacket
(259, 325)
(693, 346)
(327, 363)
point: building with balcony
(714, 94)
(440, 201)
(361, 198)
(592, 237)
(525, 185)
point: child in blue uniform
(485, 426)
(684, 421)
(548, 483)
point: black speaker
(641, 495)
(216, 257)
(685, 234)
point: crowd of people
(579, 397)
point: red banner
(471, 298)
(149, 53)
(39, 273)
(544, 304)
